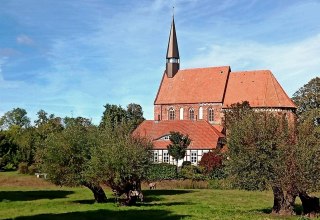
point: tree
(66, 158)
(134, 115)
(259, 148)
(308, 96)
(121, 161)
(114, 115)
(16, 117)
(178, 147)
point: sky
(71, 57)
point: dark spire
(173, 58)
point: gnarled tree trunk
(283, 204)
(310, 204)
(98, 193)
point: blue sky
(72, 57)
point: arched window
(191, 114)
(181, 113)
(171, 114)
(200, 113)
(210, 114)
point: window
(191, 114)
(200, 113)
(171, 114)
(193, 157)
(165, 157)
(155, 157)
(181, 113)
(165, 138)
(210, 114)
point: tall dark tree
(308, 96)
(134, 114)
(178, 147)
(113, 115)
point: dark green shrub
(23, 168)
(186, 163)
(192, 172)
(161, 171)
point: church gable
(259, 88)
(201, 85)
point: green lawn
(38, 200)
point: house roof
(194, 86)
(260, 88)
(201, 133)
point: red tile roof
(193, 86)
(201, 133)
(259, 88)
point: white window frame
(165, 157)
(193, 157)
(155, 157)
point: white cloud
(293, 64)
(25, 40)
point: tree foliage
(16, 117)
(211, 161)
(66, 158)
(120, 161)
(308, 96)
(179, 144)
(114, 115)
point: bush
(210, 161)
(192, 172)
(221, 184)
(23, 168)
(186, 163)
(161, 171)
(32, 169)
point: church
(193, 101)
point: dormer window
(171, 114)
(165, 138)
(191, 114)
(210, 115)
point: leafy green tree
(259, 145)
(66, 158)
(134, 115)
(113, 115)
(178, 147)
(308, 96)
(121, 161)
(16, 117)
(8, 151)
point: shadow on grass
(33, 195)
(164, 192)
(297, 208)
(164, 204)
(92, 201)
(108, 214)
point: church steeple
(173, 58)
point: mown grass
(32, 198)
